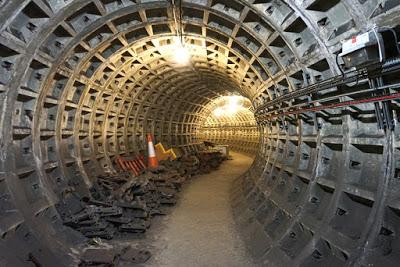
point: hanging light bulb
(218, 112)
(233, 104)
(181, 54)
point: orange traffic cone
(152, 162)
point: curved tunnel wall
(240, 135)
(230, 124)
(83, 81)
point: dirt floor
(200, 230)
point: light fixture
(232, 105)
(218, 112)
(181, 54)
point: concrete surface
(200, 230)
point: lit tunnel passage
(229, 120)
(82, 82)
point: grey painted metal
(83, 81)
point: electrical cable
(381, 103)
(378, 39)
(181, 22)
(174, 15)
(178, 20)
(337, 105)
(338, 65)
(392, 66)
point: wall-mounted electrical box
(360, 50)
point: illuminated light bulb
(181, 55)
(234, 100)
(218, 112)
(231, 109)
(233, 105)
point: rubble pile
(201, 162)
(121, 203)
(187, 165)
(112, 257)
(124, 203)
(209, 160)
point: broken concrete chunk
(136, 256)
(98, 256)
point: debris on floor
(112, 257)
(125, 203)
(135, 255)
(122, 203)
(98, 256)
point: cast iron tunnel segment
(83, 82)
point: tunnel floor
(200, 230)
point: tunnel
(84, 81)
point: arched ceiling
(229, 110)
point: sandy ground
(200, 230)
